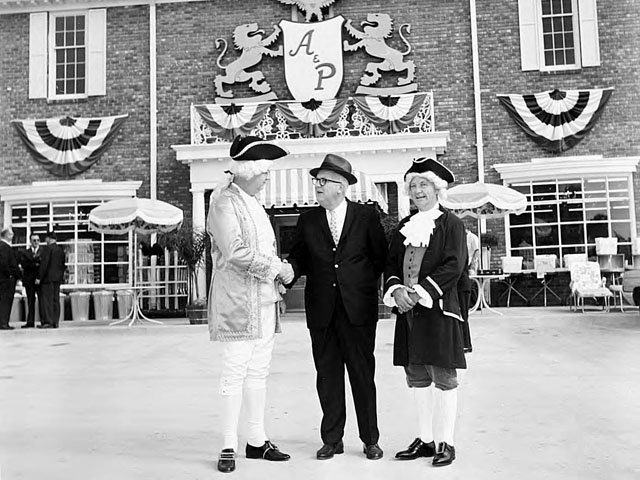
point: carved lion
(248, 39)
(377, 28)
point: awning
(292, 187)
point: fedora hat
(251, 148)
(423, 165)
(336, 164)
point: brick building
(155, 60)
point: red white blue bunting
(391, 114)
(313, 118)
(557, 120)
(68, 146)
(228, 121)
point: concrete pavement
(549, 395)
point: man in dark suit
(30, 262)
(9, 274)
(341, 248)
(50, 276)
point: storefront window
(92, 258)
(566, 216)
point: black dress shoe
(227, 460)
(44, 325)
(28, 326)
(268, 451)
(373, 451)
(6, 327)
(328, 450)
(445, 454)
(417, 449)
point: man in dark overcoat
(341, 248)
(9, 275)
(30, 262)
(424, 279)
(51, 274)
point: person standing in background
(50, 275)
(9, 275)
(30, 262)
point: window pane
(568, 23)
(59, 39)
(80, 70)
(71, 71)
(548, 58)
(80, 22)
(69, 38)
(80, 86)
(570, 57)
(80, 38)
(69, 23)
(546, 25)
(546, 7)
(557, 24)
(559, 57)
(70, 86)
(556, 6)
(558, 39)
(71, 55)
(568, 39)
(566, 6)
(60, 71)
(548, 42)
(80, 55)
(59, 23)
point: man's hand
(37, 281)
(404, 298)
(286, 274)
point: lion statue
(248, 39)
(376, 29)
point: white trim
(565, 167)
(68, 189)
(435, 285)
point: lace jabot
(418, 229)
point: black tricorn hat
(423, 164)
(254, 148)
(336, 164)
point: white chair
(586, 281)
(624, 291)
(571, 258)
(512, 266)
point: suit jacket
(52, 264)
(351, 269)
(9, 269)
(30, 265)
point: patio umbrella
(140, 215)
(484, 200)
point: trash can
(103, 305)
(17, 313)
(125, 303)
(79, 305)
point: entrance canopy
(292, 187)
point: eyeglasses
(322, 181)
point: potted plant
(191, 246)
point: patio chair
(624, 291)
(586, 281)
(512, 266)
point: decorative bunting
(391, 114)
(557, 120)
(68, 146)
(228, 121)
(313, 118)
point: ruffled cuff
(425, 298)
(265, 267)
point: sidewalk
(549, 395)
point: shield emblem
(313, 66)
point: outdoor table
(481, 281)
(510, 281)
(135, 314)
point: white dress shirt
(340, 212)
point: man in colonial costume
(427, 259)
(244, 294)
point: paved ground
(549, 395)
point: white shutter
(528, 22)
(97, 52)
(38, 55)
(589, 43)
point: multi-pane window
(566, 216)
(70, 54)
(559, 33)
(92, 258)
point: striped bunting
(557, 120)
(313, 118)
(229, 121)
(391, 114)
(68, 146)
(292, 187)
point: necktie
(333, 226)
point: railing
(351, 123)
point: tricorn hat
(336, 164)
(423, 165)
(254, 148)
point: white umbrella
(140, 215)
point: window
(565, 216)
(558, 34)
(92, 258)
(67, 54)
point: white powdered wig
(439, 184)
(249, 169)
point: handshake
(286, 274)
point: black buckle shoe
(373, 451)
(227, 460)
(328, 450)
(268, 451)
(445, 455)
(417, 449)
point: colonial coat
(432, 336)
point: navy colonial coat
(436, 337)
